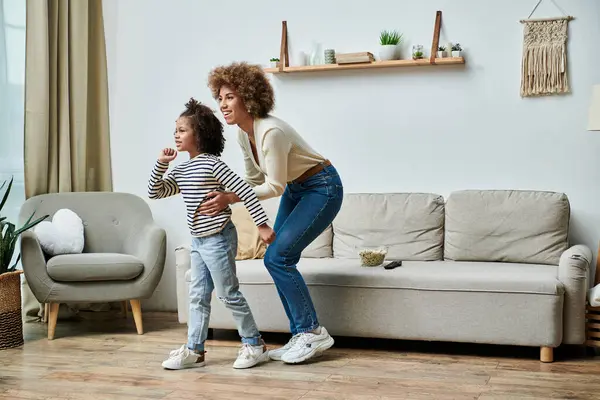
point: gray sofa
(123, 257)
(490, 267)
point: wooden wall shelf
(376, 64)
(284, 64)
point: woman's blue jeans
(306, 209)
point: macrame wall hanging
(544, 63)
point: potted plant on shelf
(441, 52)
(388, 45)
(274, 62)
(456, 50)
(417, 52)
(11, 323)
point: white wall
(410, 129)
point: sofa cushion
(507, 226)
(94, 267)
(417, 275)
(319, 248)
(411, 225)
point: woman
(279, 162)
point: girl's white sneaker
(249, 356)
(183, 358)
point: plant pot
(388, 52)
(274, 64)
(441, 54)
(456, 53)
(11, 322)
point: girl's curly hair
(249, 82)
(208, 130)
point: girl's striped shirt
(194, 179)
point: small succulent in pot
(417, 52)
(274, 62)
(456, 50)
(441, 52)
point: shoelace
(178, 351)
(246, 351)
(182, 350)
(292, 341)
(300, 340)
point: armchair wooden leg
(52, 317)
(546, 354)
(46, 311)
(136, 309)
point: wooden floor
(102, 357)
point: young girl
(214, 238)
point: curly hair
(249, 82)
(208, 130)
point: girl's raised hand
(167, 155)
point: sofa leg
(546, 354)
(52, 318)
(136, 309)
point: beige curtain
(67, 145)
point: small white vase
(388, 52)
(441, 54)
(273, 64)
(456, 53)
(301, 59)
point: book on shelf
(354, 58)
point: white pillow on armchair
(62, 235)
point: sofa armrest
(34, 266)
(150, 246)
(573, 272)
(182, 259)
(182, 266)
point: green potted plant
(417, 52)
(456, 50)
(274, 62)
(11, 323)
(441, 52)
(388, 45)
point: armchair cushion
(94, 267)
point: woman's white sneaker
(183, 358)
(276, 354)
(249, 356)
(307, 345)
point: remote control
(393, 265)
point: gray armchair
(123, 258)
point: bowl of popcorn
(372, 256)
